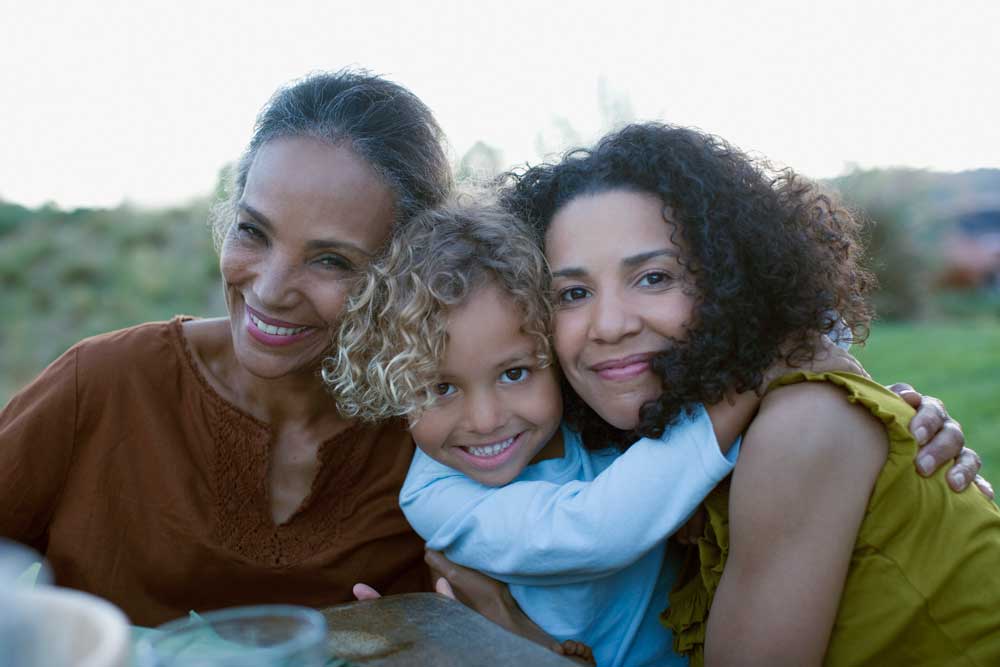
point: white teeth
(275, 331)
(491, 450)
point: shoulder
(813, 419)
(809, 441)
(146, 360)
(117, 349)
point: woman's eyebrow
(321, 244)
(255, 214)
(637, 260)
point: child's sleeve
(568, 532)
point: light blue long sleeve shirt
(580, 539)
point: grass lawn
(959, 362)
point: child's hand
(828, 359)
(693, 529)
(578, 652)
(365, 592)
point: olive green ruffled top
(923, 587)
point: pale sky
(144, 101)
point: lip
(624, 368)
(273, 322)
(492, 462)
(274, 340)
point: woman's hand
(827, 358)
(489, 597)
(941, 440)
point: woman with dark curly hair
(681, 270)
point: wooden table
(427, 629)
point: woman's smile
(625, 368)
(271, 331)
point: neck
(299, 398)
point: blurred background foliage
(933, 241)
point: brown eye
(514, 375)
(444, 389)
(654, 278)
(571, 294)
(249, 232)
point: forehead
(609, 225)
(314, 182)
(485, 331)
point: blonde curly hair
(393, 334)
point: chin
(622, 414)
(267, 367)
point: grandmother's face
(621, 298)
(310, 217)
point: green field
(959, 362)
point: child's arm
(731, 417)
(569, 532)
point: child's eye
(571, 294)
(514, 375)
(653, 278)
(444, 389)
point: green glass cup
(260, 636)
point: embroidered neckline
(242, 519)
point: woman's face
(311, 215)
(621, 298)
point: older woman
(198, 464)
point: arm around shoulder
(573, 531)
(798, 496)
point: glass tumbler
(261, 636)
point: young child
(450, 331)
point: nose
(613, 319)
(485, 412)
(275, 283)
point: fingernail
(926, 464)
(921, 435)
(957, 479)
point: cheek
(234, 263)
(546, 401)
(673, 318)
(430, 431)
(568, 334)
(331, 303)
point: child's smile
(497, 409)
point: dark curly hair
(773, 261)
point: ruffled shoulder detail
(691, 597)
(891, 410)
(694, 590)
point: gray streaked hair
(382, 122)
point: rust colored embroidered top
(142, 485)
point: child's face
(496, 410)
